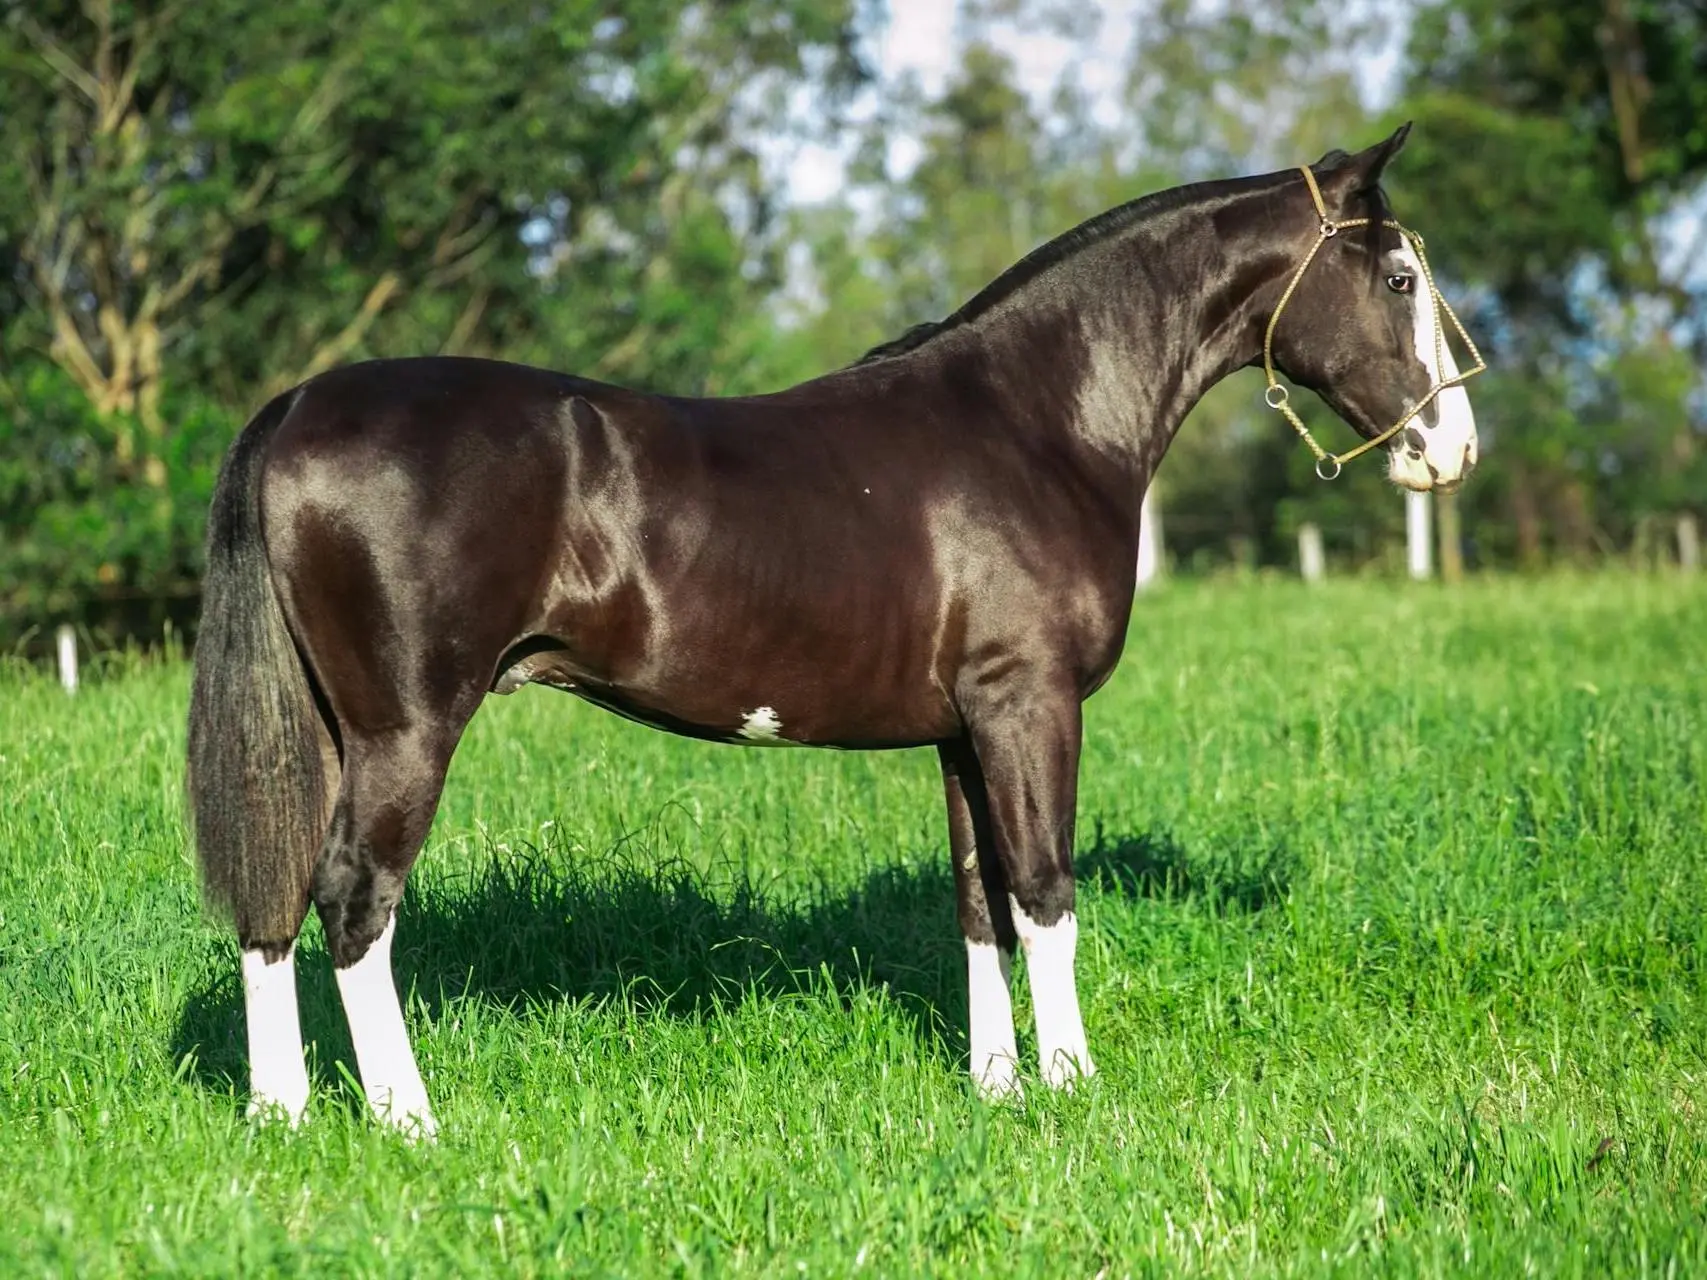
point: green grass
(1394, 904)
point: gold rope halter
(1276, 396)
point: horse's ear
(1346, 177)
(1368, 164)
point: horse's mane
(1068, 245)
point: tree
(1554, 142)
(990, 183)
(205, 201)
(241, 195)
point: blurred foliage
(202, 204)
(78, 539)
(1555, 143)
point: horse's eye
(1401, 283)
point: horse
(934, 546)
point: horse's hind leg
(278, 1073)
(986, 922)
(390, 790)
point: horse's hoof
(1065, 1070)
(267, 1110)
(998, 1080)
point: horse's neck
(1143, 326)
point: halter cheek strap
(1276, 396)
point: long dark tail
(257, 784)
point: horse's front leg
(1027, 744)
(985, 922)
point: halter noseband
(1276, 396)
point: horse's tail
(257, 783)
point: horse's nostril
(1414, 440)
(1467, 463)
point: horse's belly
(856, 694)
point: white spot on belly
(510, 680)
(762, 726)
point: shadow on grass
(1224, 879)
(667, 939)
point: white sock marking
(761, 726)
(994, 1055)
(387, 1063)
(278, 1077)
(1062, 1053)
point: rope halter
(1276, 396)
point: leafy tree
(1559, 128)
(1554, 141)
(240, 195)
(203, 202)
(990, 184)
(1219, 87)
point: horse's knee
(376, 832)
(354, 891)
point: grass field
(1394, 903)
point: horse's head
(1363, 326)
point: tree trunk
(1525, 518)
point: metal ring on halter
(1329, 229)
(1270, 401)
(1328, 460)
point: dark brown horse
(932, 547)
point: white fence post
(68, 659)
(1419, 545)
(1311, 562)
(1149, 540)
(1688, 543)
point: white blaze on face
(1451, 447)
(1061, 1050)
(994, 1054)
(278, 1078)
(762, 727)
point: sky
(924, 38)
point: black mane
(1094, 231)
(1067, 245)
